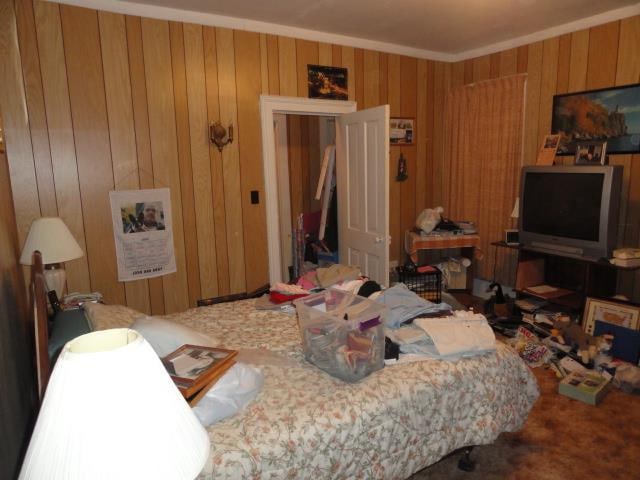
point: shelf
(575, 277)
(599, 262)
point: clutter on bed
(195, 368)
(404, 305)
(236, 389)
(342, 333)
(461, 335)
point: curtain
(482, 156)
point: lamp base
(55, 277)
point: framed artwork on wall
(609, 115)
(401, 131)
(328, 82)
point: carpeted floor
(562, 439)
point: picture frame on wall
(328, 82)
(401, 131)
(621, 314)
(591, 153)
(609, 115)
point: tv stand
(574, 276)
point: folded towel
(461, 334)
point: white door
(362, 163)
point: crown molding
(189, 16)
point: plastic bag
(627, 378)
(429, 218)
(232, 393)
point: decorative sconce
(217, 133)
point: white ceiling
(439, 29)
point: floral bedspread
(306, 424)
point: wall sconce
(217, 133)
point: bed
(305, 424)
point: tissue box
(342, 334)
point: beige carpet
(562, 439)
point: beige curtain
(482, 154)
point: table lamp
(111, 411)
(51, 237)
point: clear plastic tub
(343, 334)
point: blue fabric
(404, 305)
(67, 325)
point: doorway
(362, 166)
(305, 153)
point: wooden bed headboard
(18, 401)
(38, 291)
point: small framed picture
(191, 367)
(591, 153)
(401, 131)
(547, 153)
(616, 313)
(327, 82)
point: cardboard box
(587, 387)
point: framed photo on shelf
(401, 131)
(547, 153)
(610, 115)
(591, 153)
(191, 367)
(616, 313)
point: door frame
(270, 104)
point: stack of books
(626, 257)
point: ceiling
(449, 29)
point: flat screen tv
(570, 210)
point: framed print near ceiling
(610, 115)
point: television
(570, 210)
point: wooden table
(414, 242)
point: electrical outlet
(392, 265)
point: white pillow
(166, 336)
(104, 317)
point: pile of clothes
(340, 277)
(461, 334)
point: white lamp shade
(53, 239)
(111, 411)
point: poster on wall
(143, 233)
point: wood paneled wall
(120, 102)
(599, 57)
(123, 102)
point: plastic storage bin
(343, 334)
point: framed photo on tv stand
(591, 153)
